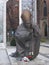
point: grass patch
(43, 40)
(13, 42)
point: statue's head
(26, 17)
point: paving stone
(4, 57)
(39, 60)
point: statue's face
(26, 17)
(27, 22)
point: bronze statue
(27, 37)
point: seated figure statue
(27, 37)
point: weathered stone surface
(4, 57)
(12, 15)
(41, 59)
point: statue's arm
(37, 30)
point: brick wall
(12, 13)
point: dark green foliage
(13, 42)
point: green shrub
(13, 42)
(43, 40)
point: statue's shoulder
(21, 27)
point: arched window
(45, 8)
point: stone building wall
(43, 20)
(48, 15)
(12, 14)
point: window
(45, 8)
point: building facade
(43, 16)
(12, 14)
(12, 19)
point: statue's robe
(27, 40)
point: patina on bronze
(27, 37)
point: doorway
(45, 30)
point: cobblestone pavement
(4, 57)
(41, 59)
